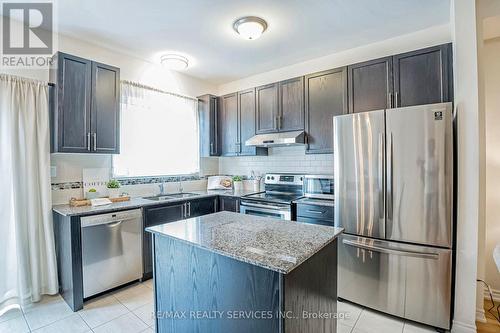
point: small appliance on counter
(219, 183)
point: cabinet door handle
(211, 147)
(389, 100)
(184, 210)
(189, 209)
(396, 102)
(280, 120)
(315, 211)
(88, 141)
(95, 141)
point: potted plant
(113, 188)
(237, 183)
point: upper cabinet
(237, 124)
(423, 76)
(229, 125)
(246, 109)
(105, 109)
(291, 105)
(280, 106)
(208, 113)
(412, 78)
(85, 109)
(267, 108)
(370, 85)
(325, 97)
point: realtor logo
(27, 28)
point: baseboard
(496, 294)
(481, 315)
(459, 327)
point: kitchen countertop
(273, 244)
(318, 202)
(67, 210)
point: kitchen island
(228, 272)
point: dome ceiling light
(250, 27)
(175, 62)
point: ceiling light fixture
(175, 62)
(250, 27)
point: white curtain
(28, 266)
(159, 133)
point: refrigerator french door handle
(381, 180)
(390, 184)
(375, 248)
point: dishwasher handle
(111, 218)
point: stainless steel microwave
(318, 186)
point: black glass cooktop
(285, 198)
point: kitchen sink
(163, 197)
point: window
(158, 133)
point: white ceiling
(202, 29)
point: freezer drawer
(409, 281)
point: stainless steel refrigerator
(394, 198)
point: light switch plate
(53, 171)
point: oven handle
(251, 204)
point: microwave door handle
(380, 249)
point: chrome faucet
(162, 188)
(180, 184)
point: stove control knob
(268, 177)
(272, 177)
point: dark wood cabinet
(370, 85)
(315, 214)
(246, 111)
(230, 204)
(208, 113)
(291, 105)
(105, 110)
(202, 207)
(85, 106)
(229, 125)
(326, 97)
(423, 76)
(71, 128)
(155, 216)
(267, 108)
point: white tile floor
(130, 310)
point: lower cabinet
(170, 213)
(315, 214)
(230, 204)
(155, 216)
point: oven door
(277, 211)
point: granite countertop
(318, 202)
(277, 245)
(67, 210)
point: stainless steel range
(276, 202)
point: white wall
(417, 40)
(463, 14)
(492, 93)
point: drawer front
(315, 211)
(315, 221)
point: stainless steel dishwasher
(111, 250)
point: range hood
(277, 139)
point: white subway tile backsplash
(280, 159)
